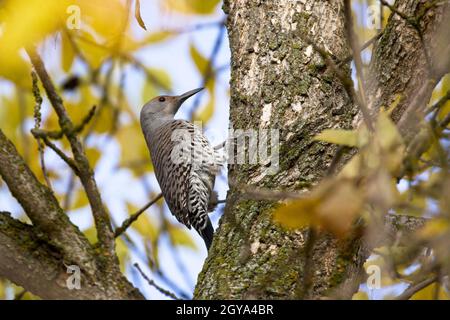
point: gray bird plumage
(184, 161)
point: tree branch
(36, 265)
(102, 221)
(414, 288)
(153, 284)
(42, 208)
(135, 216)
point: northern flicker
(185, 163)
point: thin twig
(20, 294)
(103, 100)
(58, 134)
(340, 152)
(353, 39)
(135, 216)
(414, 288)
(362, 48)
(22, 114)
(101, 217)
(145, 259)
(153, 284)
(70, 162)
(37, 124)
(439, 104)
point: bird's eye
(162, 99)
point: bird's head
(166, 106)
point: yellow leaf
(206, 112)
(332, 206)
(352, 168)
(122, 253)
(130, 44)
(105, 119)
(15, 69)
(297, 214)
(433, 228)
(412, 203)
(382, 189)
(200, 61)
(360, 295)
(387, 132)
(135, 154)
(26, 22)
(107, 18)
(192, 6)
(391, 144)
(394, 104)
(91, 234)
(158, 36)
(179, 236)
(338, 136)
(148, 91)
(81, 199)
(160, 79)
(145, 225)
(428, 293)
(67, 52)
(339, 207)
(94, 53)
(93, 154)
(2, 290)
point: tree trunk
(279, 81)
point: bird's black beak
(182, 98)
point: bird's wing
(190, 172)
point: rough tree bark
(278, 81)
(36, 256)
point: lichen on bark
(273, 67)
(278, 81)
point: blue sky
(119, 186)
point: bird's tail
(207, 233)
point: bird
(184, 161)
